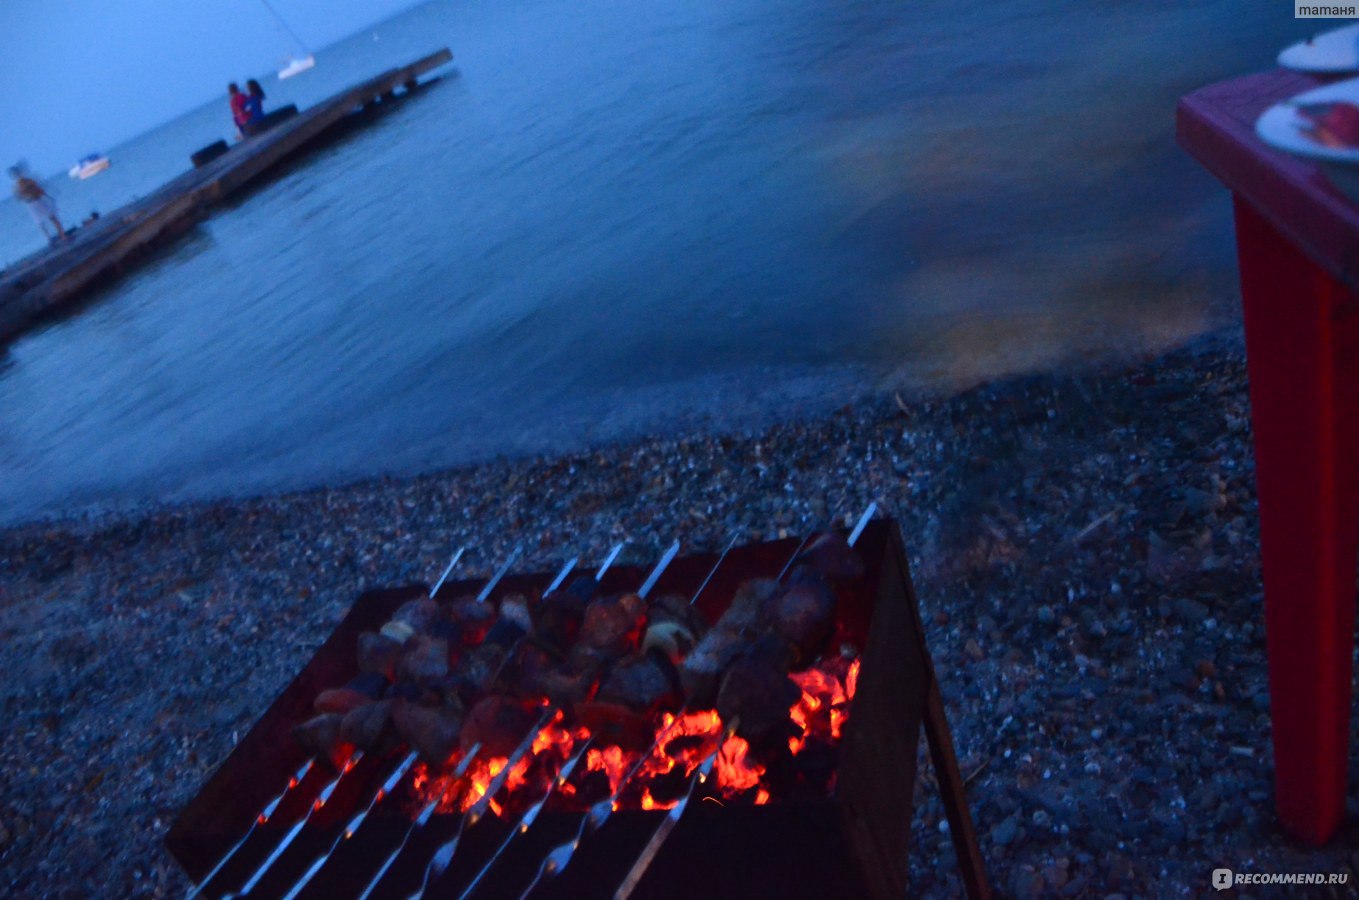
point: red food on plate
(1333, 124)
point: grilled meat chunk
(431, 731)
(366, 726)
(642, 683)
(424, 659)
(418, 614)
(757, 688)
(378, 653)
(498, 723)
(833, 558)
(320, 735)
(804, 615)
(339, 700)
(612, 627)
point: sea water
(616, 217)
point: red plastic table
(1298, 244)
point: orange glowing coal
(649, 803)
(611, 762)
(823, 706)
(736, 772)
(683, 744)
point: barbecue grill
(850, 839)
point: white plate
(1333, 51)
(1282, 127)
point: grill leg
(953, 792)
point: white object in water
(1332, 51)
(296, 66)
(1284, 127)
(89, 166)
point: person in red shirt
(239, 113)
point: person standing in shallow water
(239, 114)
(40, 203)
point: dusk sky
(85, 75)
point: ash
(1085, 549)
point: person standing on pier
(254, 101)
(40, 203)
(239, 113)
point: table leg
(1302, 344)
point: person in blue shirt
(254, 101)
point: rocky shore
(1085, 550)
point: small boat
(89, 166)
(296, 66)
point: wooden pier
(43, 282)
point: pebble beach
(1084, 547)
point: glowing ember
(820, 712)
(649, 803)
(735, 770)
(822, 708)
(479, 779)
(611, 762)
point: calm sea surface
(621, 216)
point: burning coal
(650, 685)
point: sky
(85, 75)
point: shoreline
(84, 518)
(1083, 543)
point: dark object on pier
(282, 114)
(853, 844)
(209, 153)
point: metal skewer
(558, 858)
(863, 523)
(404, 766)
(561, 576)
(672, 815)
(293, 832)
(608, 560)
(420, 820)
(272, 806)
(444, 577)
(387, 787)
(490, 585)
(444, 855)
(644, 860)
(528, 818)
(429, 808)
(264, 816)
(713, 571)
(670, 553)
(355, 757)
